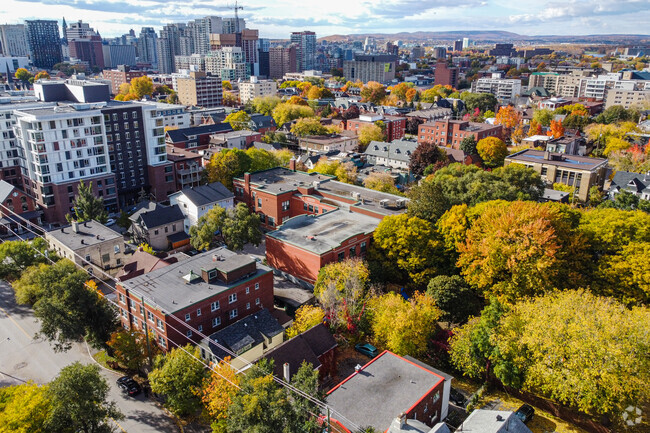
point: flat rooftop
(321, 233)
(557, 159)
(385, 387)
(88, 234)
(169, 289)
(281, 180)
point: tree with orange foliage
(557, 130)
(218, 392)
(297, 100)
(373, 92)
(535, 128)
(410, 94)
(509, 118)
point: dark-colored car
(457, 398)
(525, 413)
(128, 386)
(367, 349)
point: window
(216, 322)
(304, 206)
(198, 312)
(363, 247)
(341, 256)
(187, 317)
(353, 251)
(87, 257)
(257, 286)
(189, 334)
(161, 341)
(311, 208)
(159, 324)
(200, 328)
(285, 205)
(150, 316)
(117, 249)
(248, 305)
(121, 298)
(214, 306)
(247, 290)
(232, 298)
(259, 202)
(257, 301)
(233, 313)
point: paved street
(24, 358)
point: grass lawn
(103, 359)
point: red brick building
(208, 292)
(386, 387)
(395, 125)
(16, 200)
(451, 132)
(123, 74)
(445, 75)
(318, 220)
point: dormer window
(212, 274)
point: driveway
(24, 358)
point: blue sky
(277, 18)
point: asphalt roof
(206, 194)
(399, 150)
(180, 135)
(559, 159)
(162, 216)
(251, 329)
(168, 289)
(89, 233)
(5, 189)
(381, 390)
(633, 182)
(322, 233)
(493, 421)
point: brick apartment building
(317, 220)
(395, 125)
(123, 74)
(450, 133)
(446, 75)
(208, 292)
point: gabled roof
(262, 121)
(181, 135)
(141, 263)
(305, 347)
(5, 189)
(399, 150)
(143, 207)
(206, 194)
(633, 182)
(161, 216)
(251, 330)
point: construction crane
(237, 8)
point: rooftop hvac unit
(400, 203)
(316, 184)
(356, 195)
(384, 202)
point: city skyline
(537, 17)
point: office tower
(417, 53)
(79, 30)
(147, 46)
(305, 49)
(281, 61)
(445, 75)
(13, 41)
(199, 89)
(233, 25)
(458, 45)
(44, 43)
(263, 46)
(115, 55)
(466, 43)
(440, 52)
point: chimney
(292, 164)
(286, 372)
(75, 226)
(247, 180)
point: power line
(317, 402)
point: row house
(450, 133)
(394, 126)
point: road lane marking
(118, 424)
(16, 323)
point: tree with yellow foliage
(218, 392)
(345, 172)
(381, 182)
(24, 408)
(307, 316)
(492, 151)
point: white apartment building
(504, 89)
(627, 98)
(249, 90)
(229, 63)
(173, 115)
(194, 62)
(13, 40)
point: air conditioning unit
(400, 203)
(384, 202)
(356, 195)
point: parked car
(525, 413)
(457, 398)
(367, 349)
(128, 386)
(110, 222)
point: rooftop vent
(357, 368)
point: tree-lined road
(24, 358)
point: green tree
(543, 116)
(87, 207)
(411, 246)
(482, 101)
(24, 408)
(34, 281)
(402, 326)
(78, 397)
(130, 348)
(492, 151)
(262, 159)
(238, 120)
(428, 201)
(18, 256)
(306, 380)
(580, 350)
(226, 165)
(261, 406)
(381, 182)
(286, 112)
(178, 375)
(68, 310)
(468, 145)
(265, 104)
(454, 297)
(202, 235)
(238, 226)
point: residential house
(141, 263)
(92, 242)
(249, 338)
(326, 143)
(162, 228)
(635, 183)
(262, 123)
(207, 292)
(196, 137)
(16, 201)
(241, 140)
(396, 154)
(387, 387)
(195, 202)
(580, 172)
(451, 132)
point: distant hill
(493, 36)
